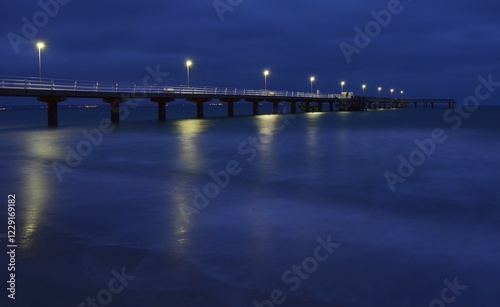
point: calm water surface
(133, 203)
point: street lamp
(402, 92)
(379, 89)
(312, 80)
(392, 91)
(266, 73)
(342, 86)
(363, 86)
(40, 46)
(189, 63)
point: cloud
(109, 40)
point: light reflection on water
(189, 131)
(320, 175)
(36, 190)
(190, 154)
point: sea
(387, 207)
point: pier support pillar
(293, 107)
(162, 111)
(330, 103)
(115, 112)
(255, 108)
(199, 105)
(275, 107)
(415, 104)
(432, 104)
(320, 107)
(52, 118)
(115, 107)
(230, 106)
(199, 109)
(230, 109)
(255, 105)
(308, 106)
(162, 107)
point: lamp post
(392, 91)
(266, 73)
(312, 80)
(342, 86)
(363, 87)
(379, 89)
(402, 92)
(40, 46)
(189, 63)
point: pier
(52, 92)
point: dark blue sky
(429, 48)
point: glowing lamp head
(189, 63)
(266, 73)
(379, 89)
(363, 86)
(313, 79)
(342, 83)
(40, 45)
(392, 90)
(402, 92)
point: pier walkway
(53, 91)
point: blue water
(299, 178)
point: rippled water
(133, 202)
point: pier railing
(110, 87)
(54, 91)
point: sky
(433, 49)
